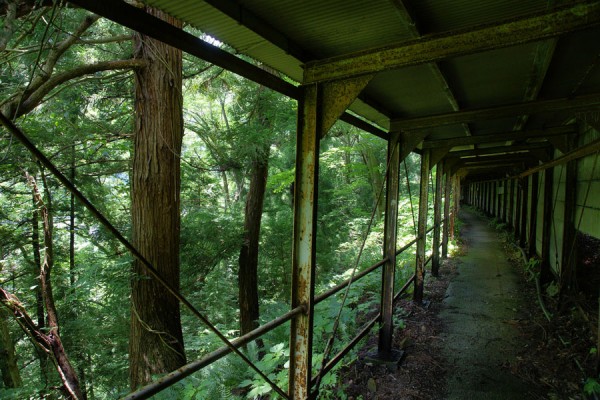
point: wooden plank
(439, 47)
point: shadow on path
(479, 311)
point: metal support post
(531, 250)
(437, 221)
(422, 227)
(519, 189)
(511, 204)
(304, 240)
(386, 328)
(524, 211)
(545, 269)
(446, 231)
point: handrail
(361, 334)
(367, 271)
(347, 282)
(188, 369)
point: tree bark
(156, 342)
(11, 376)
(50, 342)
(248, 260)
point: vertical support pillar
(437, 220)
(545, 269)
(488, 197)
(304, 240)
(517, 216)
(531, 250)
(386, 327)
(567, 270)
(422, 228)
(511, 204)
(504, 199)
(454, 210)
(524, 202)
(446, 231)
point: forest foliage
(66, 79)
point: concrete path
(481, 302)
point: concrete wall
(587, 212)
(588, 187)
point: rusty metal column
(504, 199)
(545, 268)
(304, 240)
(524, 205)
(532, 239)
(446, 231)
(422, 228)
(519, 189)
(386, 327)
(437, 221)
(511, 204)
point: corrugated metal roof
(324, 29)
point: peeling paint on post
(386, 329)
(422, 227)
(304, 240)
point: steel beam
(437, 220)
(500, 137)
(386, 327)
(580, 103)
(138, 20)
(421, 228)
(304, 239)
(439, 47)
(500, 150)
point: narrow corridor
(480, 309)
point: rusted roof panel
(323, 29)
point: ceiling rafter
(438, 47)
(140, 21)
(261, 27)
(412, 24)
(580, 103)
(498, 150)
(500, 137)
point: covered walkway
(482, 302)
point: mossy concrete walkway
(481, 305)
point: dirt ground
(557, 360)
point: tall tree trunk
(156, 342)
(248, 260)
(51, 341)
(9, 368)
(375, 178)
(41, 323)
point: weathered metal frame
(386, 328)
(304, 239)
(421, 226)
(439, 47)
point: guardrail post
(304, 240)
(420, 262)
(386, 329)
